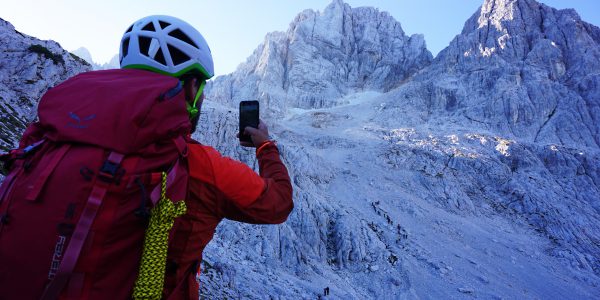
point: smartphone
(248, 117)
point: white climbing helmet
(166, 45)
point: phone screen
(248, 117)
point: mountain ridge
(368, 57)
(469, 54)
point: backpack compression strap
(81, 230)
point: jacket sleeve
(275, 202)
(244, 195)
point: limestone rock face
(527, 76)
(28, 67)
(519, 68)
(323, 56)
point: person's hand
(258, 135)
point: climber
(123, 137)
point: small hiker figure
(326, 291)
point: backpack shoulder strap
(177, 174)
(81, 231)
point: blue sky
(233, 29)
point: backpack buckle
(111, 171)
(109, 168)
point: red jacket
(219, 188)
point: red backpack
(74, 206)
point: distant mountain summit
(324, 56)
(520, 68)
(85, 54)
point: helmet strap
(192, 109)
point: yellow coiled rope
(150, 281)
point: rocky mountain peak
(543, 62)
(323, 56)
(84, 54)
(494, 12)
(6, 25)
(512, 28)
(336, 8)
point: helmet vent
(149, 27)
(125, 47)
(163, 24)
(144, 44)
(129, 29)
(177, 56)
(178, 34)
(160, 58)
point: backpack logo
(56, 258)
(78, 121)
